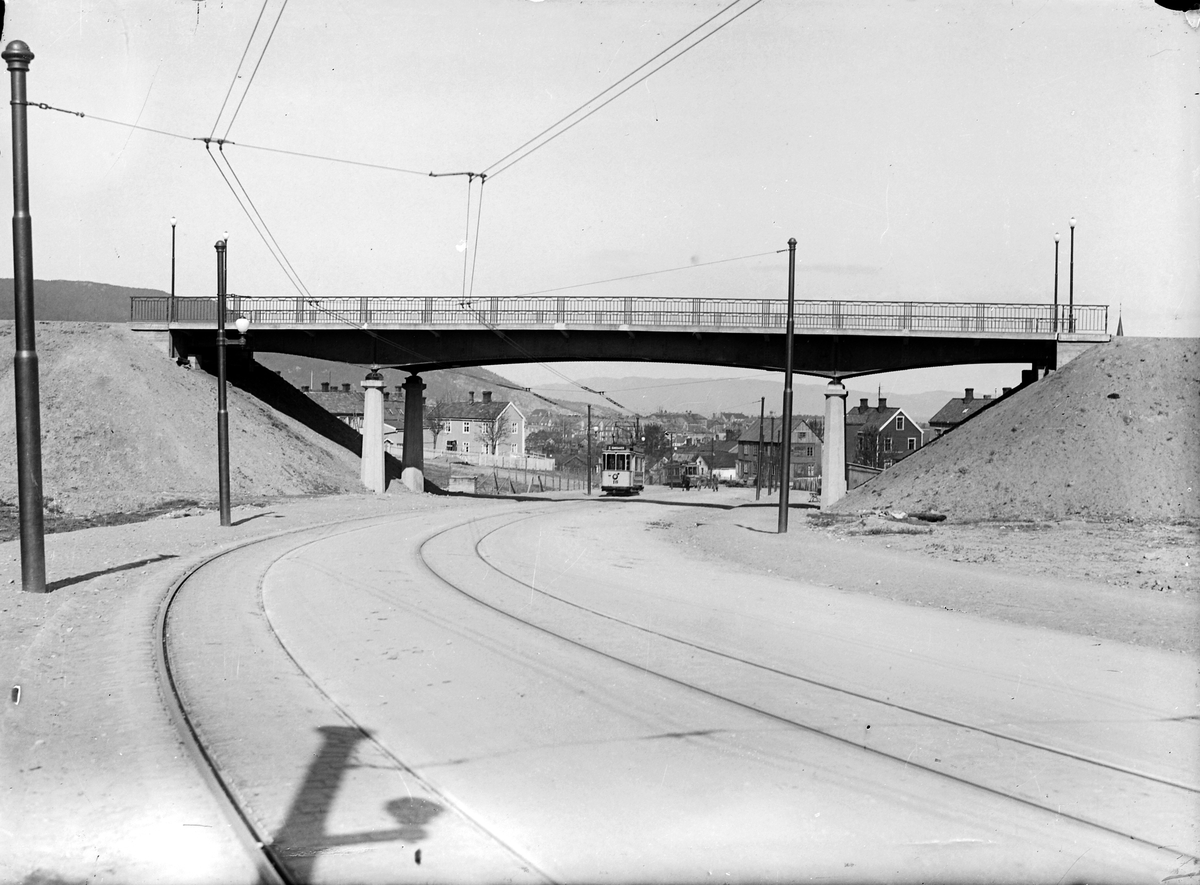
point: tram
(622, 470)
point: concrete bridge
(833, 339)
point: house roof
(958, 410)
(868, 419)
(473, 411)
(349, 403)
(718, 460)
(799, 423)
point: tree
(491, 432)
(543, 441)
(435, 419)
(657, 443)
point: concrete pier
(372, 433)
(833, 450)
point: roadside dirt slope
(1114, 435)
(124, 428)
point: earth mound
(1113, 436)
(124, 429)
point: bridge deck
(732, 315)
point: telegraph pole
(25, 361)
(762, 407)
(589, 449)
(785, 469)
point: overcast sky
(916, 150)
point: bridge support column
(833, 451)
(414, 423)
(372, 434)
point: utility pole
(785, 466)
(762, 405)
(588, 466)
(25, 361)
(222, 407)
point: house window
(899, 422)
(808, 451)
(887, 443)
(887, 464)
(466, 446)
(446, 426)
(513, 427)
(466, 427)
(912, 443)
(451, 445)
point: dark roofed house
(346, 404)
(878, 436)
(958, 410)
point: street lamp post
(171, 302)
(1071, 285)
(222, 406)
(785, 467)
(25, 362)
(1056, 239)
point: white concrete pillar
(833, 449)
(372, 434)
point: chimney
(304, 387)
(471, 397)
(345, 387)
(862, 403)
(487, 396)
(882, 403)
(399, 390)
(325, 387)
(387, 394)
(1007, 391)
(970, 395)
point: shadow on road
(79, 579)
(303, 836)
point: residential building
(958, 410)
(485, 426)
(880, 435)
(346, 404)
(808, 433)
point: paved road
(551, 692)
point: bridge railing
(684, 313)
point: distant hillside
(75, 300)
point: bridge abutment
(833, 451)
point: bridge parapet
(627, 313)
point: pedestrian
(687, 485)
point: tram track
(1162, 790)
(272, 865)
(276, 862)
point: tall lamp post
(1071, 284)
(171, 303)
(222, 407)
(25, 362)
(1056, 239)
(785, 467)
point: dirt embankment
(124, 429)
(1113, 436)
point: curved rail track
(783, 696)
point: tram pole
(785, 479)
(762, 413)
(25, 361)
(589, 449)
(222, 406)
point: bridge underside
(823, 354)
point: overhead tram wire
(611, 86)
(563, 131)
(253, 73)
(233, 82)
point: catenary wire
(611, 86)
(608, 101)
(253, 73)
(233, 82)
